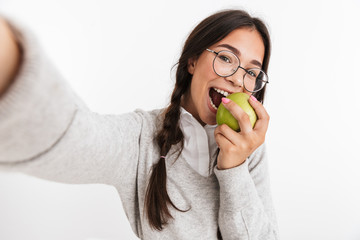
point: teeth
(221, 92)
(212, 104)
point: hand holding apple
(234, 146)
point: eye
(251, 73)
(225, 58)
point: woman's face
(247, 44)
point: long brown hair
(208, 32)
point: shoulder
(150, 116)
(151, 119)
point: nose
(237, 78)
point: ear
(191, 65)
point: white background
(118, 55)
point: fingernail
(253, 98)
(225, 100)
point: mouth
(215, 95)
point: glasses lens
(225, 63)
(255, 79)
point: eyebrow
(237, 52)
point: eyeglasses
(226, 64)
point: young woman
(179, 175)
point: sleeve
(246, 208)
(48, 132)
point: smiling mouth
(215, 96)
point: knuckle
(267, 116)
(244, 117)
(222, 127)
(231, 104)
(218, 136)
(231, 150)
(218, 129)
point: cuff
(237, 189)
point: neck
(189, 106)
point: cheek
(204, 68)
(196, 89)
(203, 75)
(209, 71)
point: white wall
(117, 56)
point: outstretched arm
(48, 132)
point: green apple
(223, 116)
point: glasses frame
(247, 71)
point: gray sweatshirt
(47, 131)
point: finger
(263, 117)
(239, 114)
(222, 141)
(228, 133)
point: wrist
(223, 164)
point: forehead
(247, 41)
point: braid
(157, 198)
